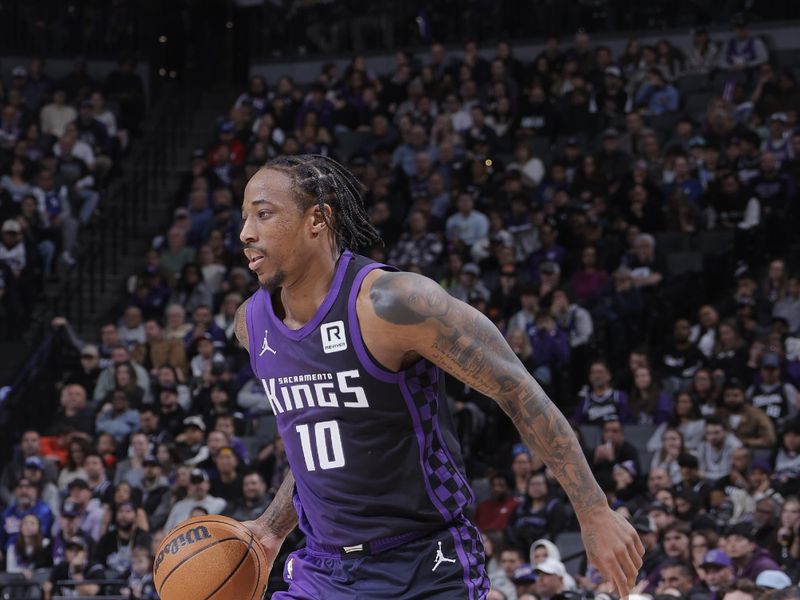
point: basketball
(212, 557)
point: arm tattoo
(467, 345)
(280, 517)
(240, 325)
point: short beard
(274, 282)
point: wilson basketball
(211, 557)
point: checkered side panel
(447, 483)
(471, 541)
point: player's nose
(248, 233)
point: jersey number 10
(328, 444)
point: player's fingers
(637, 542)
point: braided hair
(321, 180)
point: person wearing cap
(33, 470)
(198, 495)
(748, 558)
(89, 509)
(12, 248)
(550, 575)
(114, 549)
(657, 96)
(191, 443)
(612, 99)
(524, 579)
(67, 528)
(716, 572)
(26, 502)
(773, 579)
(469, 284)
(74, 565)
(743, 51)
(467, 226)
(772, 394)
(549, 252)
(29, 447)
(749, 424)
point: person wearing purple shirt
(26, 502)
(748, 558)
(549, 251)
(550, 347)
(599, 401)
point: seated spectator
(549, 251)
(29, 447)
(729, 357)
(106, 381)
(117, 417)
(130, 328)
(550, 348)
(88, 508)
(225, 318)
(676, 577)
(191, 442)
(667, 457)
(686, 418)
(26, 502)
(773, 394)
(114, 549)
(787, 460)
(598, 401)
(743, 51)
(171, 415)
(788, 306)
(493, 514)
(751, 425)
(537, 515)
(203, 323)
(154, 486)
(648, 403)
(158, 350)
(176, 255)
(197, 496)
(253, 501)
(140, 580)
(550, 575)
(692, 478)
(646, 269)
(657, 96)
(715, 453)
(77, 449)
(469, 284)
(467, 226)
(176, 326)
(131, 469)
(680, 359)
(590, 280)
(748, 558)
(96, 478)
(417, 247)
(705, 392)
(226, 482)
(702, 56)
(613, 449)
(191, 291)
(75, 567)
(574, 320)
(675, 540)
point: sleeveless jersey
(771, 399)
(373, 452)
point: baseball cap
(180, 212)
(549, 267)
(627, 465)
(773, 579)
(518, 449)
(198, 153)
(770, 360)
(718, 558)
(90, 350)
(11, 225)
(572, 141)
(70, 509)
(734, 383)
(697, 141)
(762, 465)
(226, 127)
(643, 524)
(524, 573)
(551, 566)
(658, 506)
(614, 71)
(472, 269)
(76, 542)
(744, 530)
(610, 133)
(195, 421)
(198, 475)
(779, 116)
(79, 482)
(34, 462)
(19, 71)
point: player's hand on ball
(613, 546)
(268, 541)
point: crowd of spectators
(573, 200)
(60, 142)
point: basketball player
(350, 353)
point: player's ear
(319, 218)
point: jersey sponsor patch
(333, 337)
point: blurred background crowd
(627, 218)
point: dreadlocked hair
(320, 180)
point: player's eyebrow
(259, 202)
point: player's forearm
(548, 433)
(280, 517)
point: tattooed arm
(280, 518)
(416, 314)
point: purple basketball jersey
(373, 452)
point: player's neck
(302, 298)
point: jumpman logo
(440, 558)
(265, 345)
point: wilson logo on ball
(180, 541)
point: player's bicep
(451, 334)
(240, 325)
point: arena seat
(570, 545)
